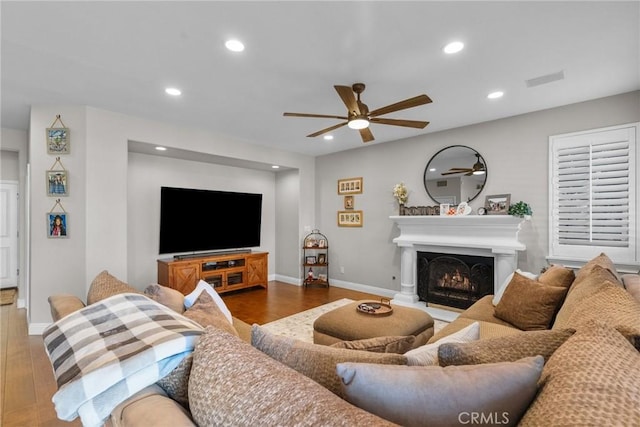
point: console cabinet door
(257, 270)
(185, 277)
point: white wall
(98, 171)
(9, 170)
(516, 152)
(148, 173)
(288, 200)
(17, 142)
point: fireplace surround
(493, 236)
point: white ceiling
(120, 56)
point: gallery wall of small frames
(348, 188)
(57, 178)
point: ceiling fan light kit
(359, 117)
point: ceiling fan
(359, 117)
(477, 169)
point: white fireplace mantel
(492, 236)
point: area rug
(300, 325)
(7, 296)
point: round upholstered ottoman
(347, 324)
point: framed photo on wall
(57, 183)
(350, 218)
(58, 141)
(348, 202)
(350, 186)
(57, 225)
(497, 204)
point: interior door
(8, 234)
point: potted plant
(521, 210)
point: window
(593, 194)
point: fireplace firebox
(454, 280)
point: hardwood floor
(26, 377)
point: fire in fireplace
(454, 280)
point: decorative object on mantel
(58, 138)
(401, 193)
(521, 210)
(497, 204)
(57, 180)
(350, 186)
(419, 210)
(57, 221)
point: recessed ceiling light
(234, 45)
(328, 137)
(161, 148)
(275, 167)
(453, 47)
(173, 91)
(432, 170)
(495, 95)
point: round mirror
(455, 174)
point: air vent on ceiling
(542, 80)
(441, 183)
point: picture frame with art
(350, 186)
(57, 182)
(310, 260)
(350, 218)
(348, 202)
(322, 259)
(57, 225)
(497, 204)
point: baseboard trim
(288, 279)
(21, 303)
(37, 328)
(389, 293)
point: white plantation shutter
(594, 194)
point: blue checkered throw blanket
(108, 351)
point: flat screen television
(194, 220)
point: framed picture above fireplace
(497, 204)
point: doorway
(9, 234)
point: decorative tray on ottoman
(375, 308)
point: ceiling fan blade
(397, 122)
(329, 129)
(320, 116)
(366, 135)
(454, 172)
(402, 105)
(349, 99)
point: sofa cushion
(166, 296)
(484, 310)
(498, 295)
(203, 286)
(632, 284)
(601, 260)
(63, 304)
(398, 345)
(242, 386)
(206, 312)
(427, 354)
(150, 407)
(316, 361)
(529, 305)
(582, 288)
(176, 384)
(591, 380)
(557, 275)
(437, 396)
(504, 349)
(487, 329)
(610, 304)
(105, 285)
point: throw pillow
(205, 312)
(632, 284)
(176, 384)
(504, 349)
(204, 286)
(105, 285)
(557, 275)
(166, 296)
(233, 384)
(316, 361)
(399, 345)
(503, 287)
(427, 354)
(529, 305)
(591, 380)
(437, 396)
(601, 260)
